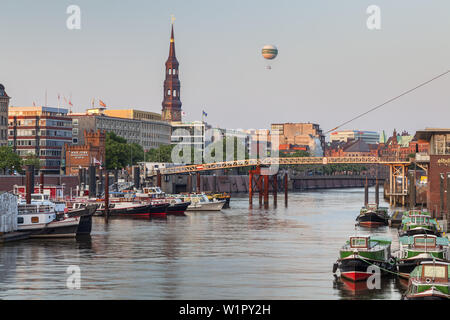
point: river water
(239, 253)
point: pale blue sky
(330, 66)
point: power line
(390, 100)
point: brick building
(82, 156)
(438, 166)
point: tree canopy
(119, 153)
(9, 160)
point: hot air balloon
(269, 52)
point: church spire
(171, 105)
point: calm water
(282, 253)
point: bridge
(280, 161)
(397, 171)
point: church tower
(171, 105)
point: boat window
(19, 220)
(435, 272)
(424, 242)
(34, 219)
(358, 242)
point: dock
(396, 219)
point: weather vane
(172, 18)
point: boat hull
(372, 220)
(358, 270)
(177, 208)
(207, 206)
(66, 228)
(137, 211)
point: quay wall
(239, 183)
(7, 182)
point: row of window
(175, 93)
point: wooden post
(448, 198)
(266, 191)
(158, 179)
(106, 195)
(29, 186)
(260, 189)
(250, 188)
(412, 190)
(275, 189)
(286, 189)
(441, 200)
(198, 182)
(377, 192)
(366, 194)
(41, 183)
(189, 183)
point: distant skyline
(330, 66)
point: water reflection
(239, 253)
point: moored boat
(418, 248)
(373, 216)
(41, 222)
(360, 252)
(429, 281)
(133, 209)
(418, 222)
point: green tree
(119, 153)
(32, 160)
(9, 160)
(161, 154)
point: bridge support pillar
(189, 183)
(366, 194)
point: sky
(330, 66)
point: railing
(33, 209)
(281, 161)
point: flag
(70, 103)
(102, 103)
(34, 104)
(97, 162)
(183, 113)
(205, 114)
(93, 102)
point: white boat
(200, 202)
(40, 218)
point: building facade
(369, 137)
(171, 105)
(82, 156)
(305, 134)
(135, 126)
(40, 131)
(4, 105)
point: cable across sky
(390, 100)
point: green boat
(429, 281)
(359, 253)
(418, 222)
(418, 248)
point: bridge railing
(279, 161)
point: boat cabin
(425, 241)
(359, 242)
(431, 271)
